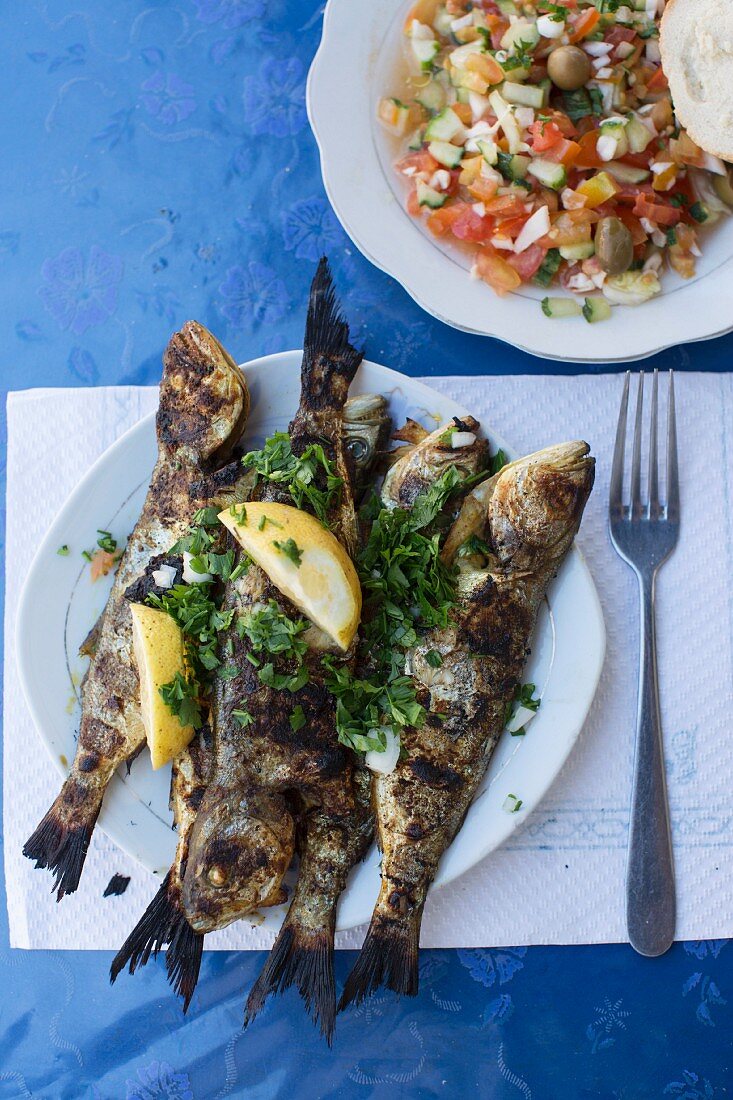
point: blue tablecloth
(157, 165)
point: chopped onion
(505, 243)
(607, 147)
(440, 180)
(624, 50)
(597, 49)
(525, 117)
(462, 439)
(714, 165)
(479, 208)
(604, 73)
(534, 228)
(190, 576)
(384, 762)
(549, 27)
(165, 576)
(464, 21)
(521, 717)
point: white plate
(356, 64)
(566, 660)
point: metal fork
(645, 534)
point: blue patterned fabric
(157, 165)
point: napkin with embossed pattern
(560, 878)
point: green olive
(614, 246)
(569, 68)
(724, 188)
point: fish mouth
(365, 408)
(571, 457)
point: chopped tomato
(441, 220)
(658, 82)
(632, 223)
(664, 180)
(420, 161)
(545, 135)
(564, 152)
(598, 189)
(568, 228)
(588, 155)
(638, 160)
(413, 206)
(620, 34)
(683, 262)
(506, 206)
(495, 271)
(483, 190)
(658, 212)
(498, 26)
(511, 227)
(584, 24)
(464, 112)
(487, 67)
(102, 563)
(528, 263)
(563, 123)
(470, 226)
(686, 237)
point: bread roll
(696, 41)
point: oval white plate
(567, 652)
(355, 65)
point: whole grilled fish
(244, 836)
(203, 408)
(365, 429)
(527, 515)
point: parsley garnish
(290, 549)
(243, 718)
(181, 698)
(63, 551)
(206, 517)
(698, 212)
(523, 697)
(433, 658)
(269, 630)
(297, 718)
(106, 542)
(497, 462)
(86, 554)
(310, 477)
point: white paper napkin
(560, 879)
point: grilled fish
(203, 408)
(244, 836)
(527, 515)
(365, 429)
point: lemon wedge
(304, 561)
(158, 647)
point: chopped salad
(542, 136)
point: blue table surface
(157, 165)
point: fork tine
(636, 456)
(617, 470)
(653, 460)
(673, 483)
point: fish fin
(61, 845)
(329, 360)
(150, 933)
(304, 958)
(183, 959)
(389, 956)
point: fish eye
(217, 876)
(357, 448)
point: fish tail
(183, 959)
(329, 360)
(302, 957)
(389, 956)
(151, 932)
(61, 840)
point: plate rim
(420, 391)
(647, 333)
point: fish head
(366, 426)
(239, 851)
(204, 401)
(415, 470)
(537, 502)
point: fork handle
(650, 893)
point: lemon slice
(305, 561)
(158, 646)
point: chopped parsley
(269, 630)
(206, 517)
(512, 804)
(242, 718)
(264, 520)
(434, 659)
(86, 554)
(106, 542)
(229, 672)
(290, 549)
(698, 212)
(523, 697)
(310, 477)
(181, 698)
(498, 462)
(63, 551)
(200, 620)
(297, 718)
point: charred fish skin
(243, 839)
(163, 922)
(426, 455)
(529, 518)
(203, 407)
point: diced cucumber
(432, 96)
(548, 173)
(525, 95)
(549, 268)
(561, 307)
(416, 142)
(616, 128)
(445, 153)
(577, 104)
(573, 252)
(521, 35)
(626, 173)
(637, 134)
(428, 196)
(596, 309)
(444, 127)
(512, 168)
(514, 70)
(442, 22)
(425, 51)
(463, 95)
(723, 189)
(488, 149)
(507, 7)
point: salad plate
(360, 60)
(566, 660)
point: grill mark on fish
(529, 515)
(202, 411)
